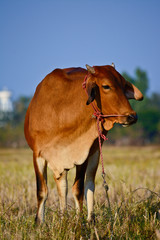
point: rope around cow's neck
(97, 114)
(100, 118)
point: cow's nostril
(132, 118)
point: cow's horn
(90, 69)
(113, 65)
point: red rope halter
(100, 118)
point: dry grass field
(133, 175)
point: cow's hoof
(91, 220)
(38, 221)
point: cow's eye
(106, 86)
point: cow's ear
(132, 92)
(91, 90)
(91, 85)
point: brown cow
(62, 133)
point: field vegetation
(133, 175)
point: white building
(5, 101)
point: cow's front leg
(40, 166)
(78, 186)
(62, 188)
(93, 161)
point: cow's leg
(40, 166)
(93, 161)
(62, 187)
(78, 186)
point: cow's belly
(66, 155)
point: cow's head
(111, 92)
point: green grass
(133, 175)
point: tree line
(145, 131)
(147, 128)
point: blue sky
(40, 35)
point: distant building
(5, 101)
(6, 107)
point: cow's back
(57, 104)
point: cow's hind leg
(62, 188)
(93, 161)
(40, 166)
(78, 186)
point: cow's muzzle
(130, 119)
